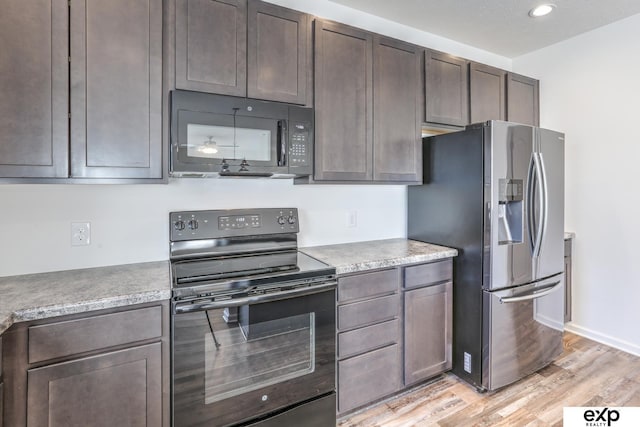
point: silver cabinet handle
(536, 293)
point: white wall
(336, 12)
(130, 223)
(590, 89)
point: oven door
(237, 360)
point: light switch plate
(80, 233)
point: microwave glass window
(225, 142)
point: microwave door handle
(281, 144)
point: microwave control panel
(299, 145)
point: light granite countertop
(44, 295)
(361, 256)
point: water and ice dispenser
(510, 211)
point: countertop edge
(51, 311)
(395, 262)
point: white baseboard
(603, 338)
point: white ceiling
(500, 26)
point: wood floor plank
(586, 374)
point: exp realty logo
(601, 417)
(604, 417)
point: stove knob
(291, 220)
(193, 224)
(179, 225)
(281, 220)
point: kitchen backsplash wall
(130, 223)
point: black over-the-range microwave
(216, 135)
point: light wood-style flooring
(586, 374)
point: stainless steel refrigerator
(495, 192)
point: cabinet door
(523, 100)
(397, 103)
(34, 84)
(278, 67)
(427, 332)
(122, 388)
(116, 88)
(446, 89)
(343, 103)
(211, 46)
(487, 93)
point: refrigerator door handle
(540, 193)
(536, 293)
(531, 190)
(544, 200)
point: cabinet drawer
(365, 339)
(1, 406)
(0, 358)
(368, 377)
(367, 285)
(425, 274)
(367, 312)
(93, 333)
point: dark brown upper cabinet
(34, 85)
(116, 89)
(487, 98)
(278, 54)
(446, 89)
(343, 102)
(211, 46)
(81, 81)
(523, 99)
(368, 106)
(397, 111)
(240, 48)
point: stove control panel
(214, 224)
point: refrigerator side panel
(508, 241)
(448, 210)
(551, 151)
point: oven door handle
(188, 307)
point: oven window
(227, 142)
(244, 353)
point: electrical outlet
(80, 233)
(352, 219)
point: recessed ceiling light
(541, 10)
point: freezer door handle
(536, 293)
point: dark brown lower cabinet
(369, 338)
(113, 389)
(567, 280)
(387, 340)
(1, 405)
(427, 332)
(105, 368)
(369, 377)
